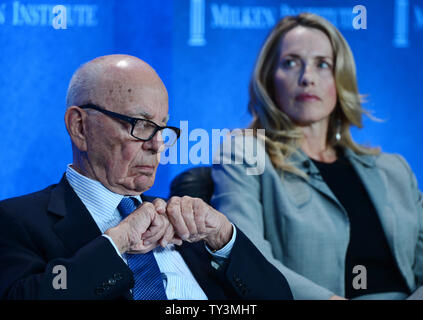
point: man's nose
(155, 144)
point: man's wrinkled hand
(144, 229)
(169, 235)
(194, 220)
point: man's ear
(74, 119)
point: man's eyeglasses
(142, 129)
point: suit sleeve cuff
(114, 246)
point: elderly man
(95, 236)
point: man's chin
(136, 185)
(143, 183)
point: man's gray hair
(83, 83)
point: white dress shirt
(102, 205)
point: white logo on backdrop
(401, 24)
(196, 22)
(55, 15)
(226, 16)
(402, 17)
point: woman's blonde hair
(282, 136)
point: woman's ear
(75, 125)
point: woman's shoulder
(392, 164)
(392, 161)
(245, 149)
(244, 140)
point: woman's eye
(324, 65)
(288, 63)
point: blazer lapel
(315, 179)
(77, 227)
(376, 189)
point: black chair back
(195, 182)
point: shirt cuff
(224, 252)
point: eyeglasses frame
(132, 121)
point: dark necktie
(148, 279)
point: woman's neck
(314, 143)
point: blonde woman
(338, 219)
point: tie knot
(127, 206)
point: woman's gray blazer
(301, 227)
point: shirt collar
(100, 201)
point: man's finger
(142, 217)
(188, 215)
(167, 237)
(173, 212)
(200, 213)
(160, 205)
(156, 230)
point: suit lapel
(198, 261)
(77, 227)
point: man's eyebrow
(148, 116)
(143, 114)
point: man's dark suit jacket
(53, 227)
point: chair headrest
(195, 182)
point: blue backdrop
(204, 50)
